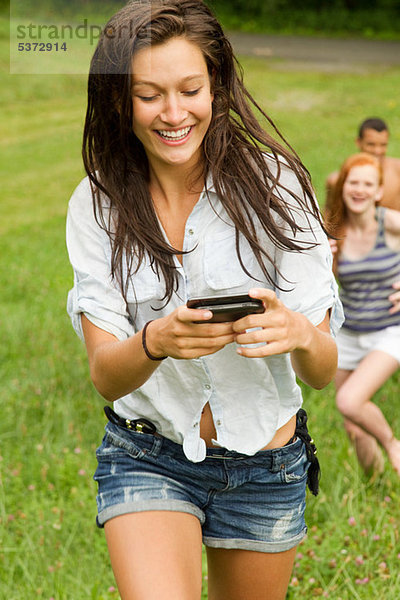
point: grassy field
(52, 419)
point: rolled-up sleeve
(308, 285)
(94, 292)
(305, 280)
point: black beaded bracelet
(148, 354)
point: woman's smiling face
(361, 188)
(172, 102)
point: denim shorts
(243, 502)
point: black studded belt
(138, 425)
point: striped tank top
(366, 284)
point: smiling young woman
(208, 442)
(367, 264)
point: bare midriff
(208, 432)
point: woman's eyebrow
(184, 80)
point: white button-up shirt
(250, 398)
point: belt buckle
(140, 426)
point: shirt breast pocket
(222, 268)
(144, 285)
(144, 295)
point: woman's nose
(173, 112)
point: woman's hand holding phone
(187, 333)
(312, 349)
(191, 332)
(278, 328)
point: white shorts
(354, 346)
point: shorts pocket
(115, 446)
(295, 468)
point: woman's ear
(379, 194)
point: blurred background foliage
(366, 18)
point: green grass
(51, 420)
(319, 112)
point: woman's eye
(147, 98)
(192, 92)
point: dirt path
(327, 54)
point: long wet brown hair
(336, 215)
(233, 147)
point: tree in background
(348, 17)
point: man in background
(373, 138)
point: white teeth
(174, 135)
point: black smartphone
(227, 308)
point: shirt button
(207, 386)
(195, 425)
(191, 231)
(219, 422)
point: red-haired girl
(367, 264)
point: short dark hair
(372, 123)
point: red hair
(336, 215)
